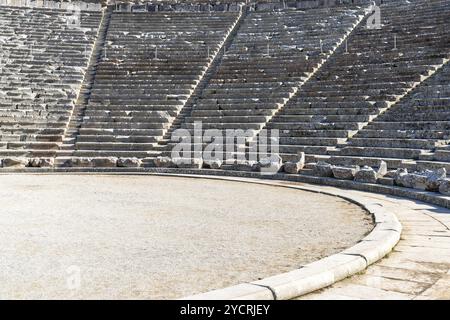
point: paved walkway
(419, 266)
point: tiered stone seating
(271, 55)
(353, 87)
(417, 128)
(151, 64)
(42, 64)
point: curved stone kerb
(324, 272)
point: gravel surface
(141, 237)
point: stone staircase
(43, 61)
(151, 65)
(257, 76)
(362, 82)
(74, 125)
(413, 133)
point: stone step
(117, 138)
(395, 143)
(310, 141)
(227, 119)
(124, 125)
(231, 113)
(30, 137)
(161, 119)
(314, 126)
(404, 134)
(30, 145)
(321, 118)
(228, 125)
(30, 153)
(113, 153)
(291, 111)
(287, 133)
(403, 153)
(413, 125)
(113, 146)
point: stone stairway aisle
(377, 72)
(323, 62)
(186, 110)
(410, 132)
(43, 64)
(270, 56)
(68, 145)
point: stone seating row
(369, 74)
(43, 59)
(271, 54)
(149, 68)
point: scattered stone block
(344, 173)
(188, 163)
(444, 187)
(270, 164)
(427, 180)
(434, 179)
(129, 162)
(390, 174)
(79, 162)
(212, 164)
(104, 162)
(163, 162)
(322, 169)
(15, 162)
(42, 162)
(382, 169)
(366, 175)
(399, 176)
(386, 181)
(240, 166)
(295, 166)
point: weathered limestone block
(323, 169)
(367, 175)
(382, 169)
(270, 164)
(444, 187)
(295, 166)
(79, 162)
(386, 181)
(390, 174)
(15, 162)
(104, 162)
(129, 162)
(163, 162)
(435, 179)
(398, 174)
(42, 162)
(345, 173)
(402, 178)
(426, 180)
(212, 164)
(419, 181)
(188, 163)
(240, 166)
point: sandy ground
(81, 236)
